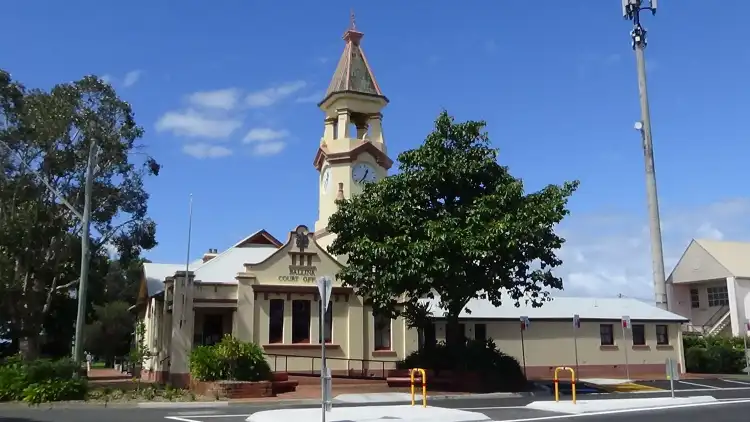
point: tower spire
(353, 73)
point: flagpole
(187, 258)
(576, 326)
(524, 326)
(625, 324)
(190, 234)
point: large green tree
(109, 335)
(452, 223)
(46, 138)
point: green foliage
(714, 354)
(453, 221)
(40, 381)
(140, 351)
(110, 333)
(55, 390)
(500, 372)
(230, 359)
(47, 135)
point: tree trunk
(28, 347)
(453, 336)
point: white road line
(736, 382)
(217, 416)
(700, 385)
(614, 412)
(177, 418)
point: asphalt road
(498, 409)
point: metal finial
(352, 20)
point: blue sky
(555, 81)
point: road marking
(700, 385)
(217, 416)
(614, 412)
(177, 418)
(676, 390)
(736, 382)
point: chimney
(211, 254)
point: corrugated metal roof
(156, 273)
(224, 268)
(565, 308)
(221, 269)
(734, 256)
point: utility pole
(85, 219)
(83, 282)
(631, 10)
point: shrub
(229, 359)
(55, 390)
(40, 381)
(714, 354)
(499, 371)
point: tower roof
(353, 74)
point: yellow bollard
(424, 385)
(572, 382)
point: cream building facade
(263, 290)
(710, 285)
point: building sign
(300, 274)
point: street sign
(673, 370)
(325, 285)
(625, 321)
(525, 323)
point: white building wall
(739, 299)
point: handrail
(351, 372)
(711, 322)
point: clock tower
(352, 151)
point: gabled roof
(734, 256)
(353, 73)
(221, 269)
(564, 308)
(224, 268)
(261, 237)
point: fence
(340, 367)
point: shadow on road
(4, 419)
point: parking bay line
(177, 418)
(735, 381)
(699, 385)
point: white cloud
(264, 134)
(266, 141)
(106, 78)
(201, 150)
(191, 123)
(312, 98)
(131, 78)
(270, 96)
(606, 255)
(268, 148)
(222, 99)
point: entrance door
(213, 329)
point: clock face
(364, 173)
(325, 180)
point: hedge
(500, 372)
(40, 381)
(714, 354)
(230, 359)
